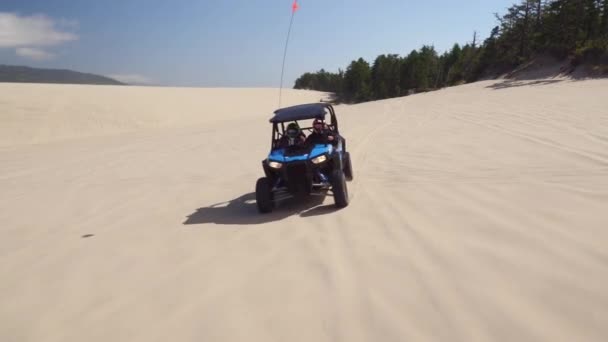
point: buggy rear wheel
(348, 167)
(339, 189)
(263, 195)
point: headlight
(319, 159)
(275, 165)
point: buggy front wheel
(339, 189)
(263, 195)
(348, 167)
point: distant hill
(23, 74)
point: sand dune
(478, 213)
(41, 113)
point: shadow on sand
(243, 211)
(545, 70)
(512, 83)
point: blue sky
(233, 43)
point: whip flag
(294, 8)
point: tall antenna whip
(294, 9)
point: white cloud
(27, 34)
(34, 53)
(131, 79)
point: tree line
(574, 29)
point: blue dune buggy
(310, 169)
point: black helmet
(293, 130)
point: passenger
(321, 134)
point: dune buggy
(309, 169)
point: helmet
(293, 130)
(318, 125)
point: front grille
(296, 170)
(296, 177)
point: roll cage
(300, 113)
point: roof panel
(300, 112)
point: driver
(293, 136)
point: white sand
(477, 214)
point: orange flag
(295, 6)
